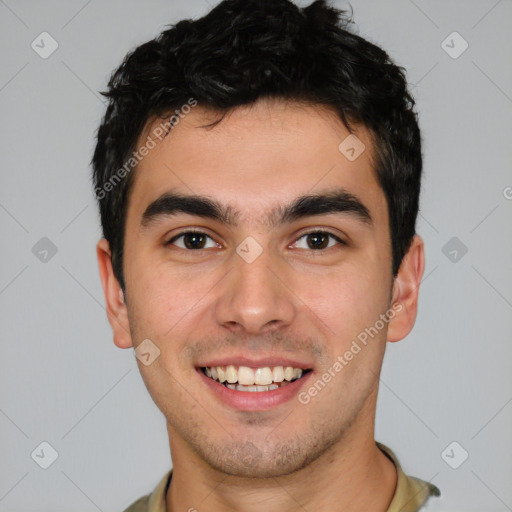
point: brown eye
(191, 240)
(319, 240)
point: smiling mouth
(244, 378)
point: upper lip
(255, 363)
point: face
(259, 281)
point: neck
(353, 475)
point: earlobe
(117, 312)
(406, 290)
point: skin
(294, 300)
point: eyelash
(322, 232)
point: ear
(117, 312)
(406, 287)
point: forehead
(258, 156)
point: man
(258, 176)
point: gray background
(64, 382)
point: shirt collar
(410, 493)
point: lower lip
(257, 400)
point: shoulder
(141, 505)
(154, 502)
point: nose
(254, 297)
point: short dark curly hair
(244, 50)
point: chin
(247, 460)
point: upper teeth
(249, 376)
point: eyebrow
(338, 201)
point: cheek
(162, 294)
(346, 301)
(170, 307)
